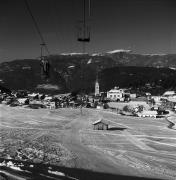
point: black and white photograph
(87, 89)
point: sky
(144, 26)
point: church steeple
(97, 88)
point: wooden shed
(100, 125)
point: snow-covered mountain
(119, 51)
(66, 69)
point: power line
(36, 26)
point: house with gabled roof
(100, 125)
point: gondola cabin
(100, 125)
(45, 67)
(83, 33)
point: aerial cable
(89, 8)
(36, 26)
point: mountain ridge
(78, 71)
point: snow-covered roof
(169, 93)
(118, 50)
(48, 98)
(22, 100)
(100, 120)
(116, 90)
(149, 112)
(33, 94)
(173, 68)
(72, 66)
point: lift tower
(84, 35)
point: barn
(100, 125)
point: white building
(148, 114)
(170, 96)
(169, 93)
(175, 108)
(157, 99)
(116, 94)
(133, 95)
(33, 95)
(22, 100)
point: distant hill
(76, 71)
(140, 79)
(5, 90)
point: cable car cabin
(100, 125)
(84, 39)
(45, 66)
(83, 34)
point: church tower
(97, 87)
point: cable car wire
(36, 26)
(89, 8)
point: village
(120, 100)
